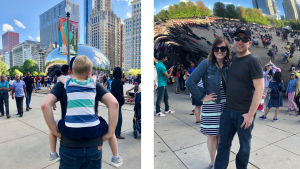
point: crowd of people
(229, 99)
(80, 130)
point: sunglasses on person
(223, 49)
(245, 40)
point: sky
(159, 4)
(22, 16)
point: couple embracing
(231, 94)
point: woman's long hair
(277, 77)
(212, 58)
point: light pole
(68, 10)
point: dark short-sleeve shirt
(240, 88)
(60, 93)
(28, 81)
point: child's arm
(62, 79)
(94, 78)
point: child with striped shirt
(80, 120)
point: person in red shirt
(265, 42)
(176, 75)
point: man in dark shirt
(87, 151)
(29, 81)
(243, 94)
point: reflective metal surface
(98, 59)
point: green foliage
(34, 73)
(42, 74)
(183, 10)
(16, 71)
(162, 15)
(219, 9)
(56, 61)
(230, 12)
(94, 68)
(295, 24)
(30, 65)
(134, 72)
(3, 68)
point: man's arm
(62, 79)
(259, 90)
(25, 91)
(46, 106)
(168, 75)
(130, 89)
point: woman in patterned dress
(213, 73)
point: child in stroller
(137, 116)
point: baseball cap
(135, 83)
(243, 29)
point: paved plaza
(179, 144)
(24, 140)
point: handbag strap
(221, 73)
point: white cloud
(128, 15)
(56, 58)
(183, 0)
(210, 7)
(226, 3)
(239, 5)
(278, 11)
(166, 7)
(7, 27)
(129, 2)
(298, 2)
(19, 24)
(38, 39)
(155, 9)
(30, 37)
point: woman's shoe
(288, 110)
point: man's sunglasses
(223, 49)
(245, 40)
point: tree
(94, 68)
(16, 71)
(241, 12)
(219, 9)
(42, 74)
(3, 68)
(162, 15)
(30, 65)
(230, 12)
(202, 10)
(34, 73)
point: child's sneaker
(263, 117)
(128, 100)
(274, 120)
(117, 161)
(298, 114)
(54, 157)
(170, 111)
(131, 100)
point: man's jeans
(85, 158)
(161, 93)
(230, 124)
(28, 99)
(119, 125)
(4, 100)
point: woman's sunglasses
(223, 49)
(245, 40)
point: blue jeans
(28, 99)
(119, 125)
(162, 92)
(85, 158)
(230, 124)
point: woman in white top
(12, 80)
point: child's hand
(107, 136)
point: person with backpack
(290, 92)
(271, 53)
(277, 87)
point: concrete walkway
(179, 144)
(24, 141)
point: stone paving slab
(24, 140)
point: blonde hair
(82, 65)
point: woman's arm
(194, 79)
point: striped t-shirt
(81, 103)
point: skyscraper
(104, 32)
(291, 9)
(262, 5)
(1, 52)
(88, 6)
(20, 52)
(9, 39)
(282, 17)
(49, 21)
(122, 46)
(132, 31)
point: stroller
(286, 57)
(137, 116)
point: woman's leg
(276, 112)
(212, 145)
(267, 111)
(197, 113)
(290, 100)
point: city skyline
(26, 22)
(159, 5)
